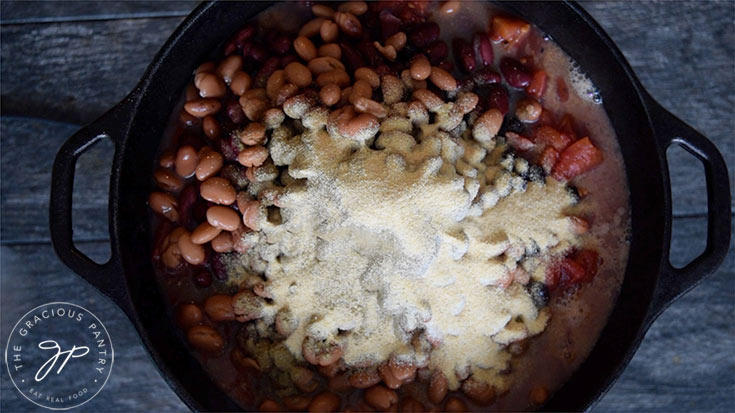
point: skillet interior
(211, 23)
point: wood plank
(74, 72)
(684, 55)
(24, 12)
(684, 363)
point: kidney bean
(269, 406)
(298, 74)
(287, 59)
(349, 24)
(497, 98)
(446, 65)
(256, 52)
(222, 242)
(202, 107)
(483, 48)
(464, 54)
(297, 403)
(370, 54)
(528, 110)
(186, 161)
(218, 190)
(437, 52)
(189, 315)
(455, 404)
(352, 58)
(443, 79)
(329, 31)
(324, 402)
(381, 397)
(304, 48)
(330, 94)
(244, 34)
(312, 27)
(537, 86)
(515, 73)
(358, 8)
(280, 44)
(240, 83)
(389, 24)
(364, 378)
(266, 70)
(205, 339)
(479, 392)
(209, 164)
(424, 34)
(219, 308)
(438, 387)
(167, 159)
(164, 204)
(223, 217)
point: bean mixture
(379, 75)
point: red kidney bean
(286, 60)
(370, 53)
(280, 44)
(486, 76)
(235, 113)
(202, 279)
(483, 48)
(497, 98)
(243, 35)
(464, 55)
(187, 199)
(424, 34)
(218, 266)
(437, 51)
(446, 65)
(266, 70)
(351, 57)
(515, 73)
(389, 24)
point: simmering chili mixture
(390, 206)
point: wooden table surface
(65, 63)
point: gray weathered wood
(15, 12)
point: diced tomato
(546, 118)
(518, 142)
(566, 126)
(553, 275)
(571, 271)
(562, 91)
(578, 158)
(548, 135)
(508, 29)
(589, 260)
(548, 159)
(537, 87)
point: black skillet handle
(107, 277)
(674, 282)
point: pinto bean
(455, 404)
(186, 161)
(487, 126)
(358, 8)
(337, 76)
(443, 79)
(324, 64)
(253, 156)
(222, 242)
(202, 107)
(368, 75)
(528, 110)
(275, 82)
(164, 204)
(380, 397)
(478, 391)
(331, 50)
(189, 315)
(539, 395)
(269, 406)
(388, 378)
(324, 402)
(312, 27)
(204, 233)
(218, 190)
(370, 106)
(297, 403)
(348, 23)
(397, 41)
(450, 7)
(321, 10)
(219, 308)
(321, 352)
(167, 159)
(329, 31)
(410, 405)
(304, 48)
(254, 108)
(402, 371)
(330, 94)
(191, 252)
(211, 127)
(250, 213)
(438, 387)
(364, 378)
(240, 83)
(298, 74)
(223, 217)
(167, 180)
(304, 379)
(253, 134)
(210, 85)
(229, 66)
(209, 164)
(205, 339)
(340, 383)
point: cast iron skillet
(644, 128)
